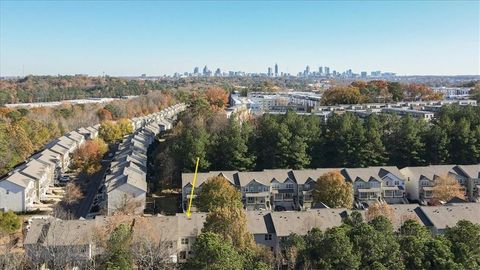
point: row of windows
(264, 188)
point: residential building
(420, 181)
(18, 192)
(76, 240)
(439, 218)
(384, 183)
(187, 184)
(471, 174)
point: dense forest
(50, 88)
(294, 141)
(23, 132)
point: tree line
(55, 88)
(373, 244)
(378, 91)
(295, 141)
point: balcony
(367, 194)
(283, 195)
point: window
(250, 200)
(268, 237)
(289, 185)
(183, 255)
(184, 241)
(251, 189)
(397, 183)
(307, 186)
(8, 191)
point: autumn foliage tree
(87, 157)
(217, 192)
(341, 95)
(379, 209)
(104, 114)
(332, 190)
(217, 98)
(73, 194)
(114, 131)
(445, 189)
(231, 224)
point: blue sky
(157, 37)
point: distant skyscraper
(363, 74)
(327, 71)
(320, 70)
(218, 72)
(195, 71)
(269, 72)
(307, 70)
(276, 70)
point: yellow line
(193, 187)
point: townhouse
(64, 146)
(187, 184)
(439, 218)
(27, 185)
(174, 236)
(60, 242)
(285, 189)
(471, 174)
(18, 192)
(377, 184)
(420, 181)
(126, 180)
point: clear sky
(158, 37)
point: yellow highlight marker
(193, 187)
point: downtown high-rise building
(195, 71)
(306, 72)
(327, 71)
(276, 70)
(320, 71)
(269, 72)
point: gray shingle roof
(19, 179)
(448, 215)
(366, 174)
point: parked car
(64, 178)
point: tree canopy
(332, 190)
(218, 192)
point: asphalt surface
(90, 185)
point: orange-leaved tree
(445, 189)
(217, 98)
(332, 190)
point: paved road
(90, 187)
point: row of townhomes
(126, 181)
(27, 185)
(285, 189)
(80, 240)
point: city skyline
(158, 38)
